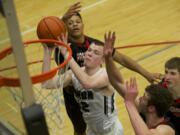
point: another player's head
(172, 73)
(156, 99)
(75, 26)
(94, 56)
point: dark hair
(65, 19)
(159, 97)
(99, 43)
(173, 63)
(78, 14)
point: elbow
(119, 88)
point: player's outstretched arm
(134, 66)
(131, 93)
(114, 75)
(137, 122)
(51, 83)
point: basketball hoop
(5, 81)
(50, 100)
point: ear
(151, 108)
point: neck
(91, 71)
(175, 92)
(79, 39)
(152, 120)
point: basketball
(50, 27)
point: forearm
(114, 75)
(130, 64)
(45, 68)
(137, 122)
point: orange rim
(15, 82)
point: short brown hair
(159, 97)
(173, 63)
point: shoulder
(165, 130)
(102, 74)
(101, 77)
(102, 71)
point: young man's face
(172, 77)
(93, 56)
(75, 26)
(143, 103)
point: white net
(51, 101)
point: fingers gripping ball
(50, 27)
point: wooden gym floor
(134, 21)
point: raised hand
(153, 77)
(63, 38)
(109, 40)
(72, 10)
(131, 90)
(47, 49)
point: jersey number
(84, 106)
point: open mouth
(76, 29)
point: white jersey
(98, 110)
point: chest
(78, 54)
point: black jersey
(78, 50)
(173, 115)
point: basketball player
(153, 105)
(92, 92)
(172, 78)
(79, 44)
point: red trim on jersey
(175, 109)
(177, 101)
(87, 44)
